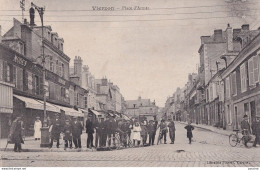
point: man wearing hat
(15, 135)
(90, 131)
(171, 130)
(37, 128)
(67, 134)
(55, 130)
(256, 130)
(76, 132)
(103, 134)
(246, 129)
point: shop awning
(30, 103)
(95, 112)
(36, 104)
(70, 112)
(51, 107)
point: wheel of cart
(114, 142)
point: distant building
(141, 107)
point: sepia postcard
(129, 83)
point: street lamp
(45, 128)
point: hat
(245, 116)
(37, 117)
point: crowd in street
(105, 131)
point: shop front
(6, 107)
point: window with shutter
(256, 69)
(251, 71)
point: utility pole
(22, 6)
(45, 128)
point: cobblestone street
(207, 149)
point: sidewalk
(210, 128)
(31, 145)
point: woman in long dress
(137, 133)
(37, 128)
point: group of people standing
(72, 131)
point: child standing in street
(189, 129)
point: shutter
(41, 85)
(11, 73)
(243, 78)
(234, 83)
(25, 82)
(5, 71)
(15, 76)
(256, 69)
(259, 67)
(20, 78)
(231, 84)
(251, 71)
(34, 84)
(1, 70)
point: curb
(48, 150)
(207, 129)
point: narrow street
(208, 149)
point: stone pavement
(208, 149)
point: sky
(147, 53)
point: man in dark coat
(172, 131)
(15, 135)
(97, 134)
(55, 131)
(67, 130)
(245, 127)
(111, 127)
(256, 131)
(151, 132)
(90, 131)
(76, 132)
(103, 134)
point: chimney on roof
(245, 27)
(229, 38)
(78, 66)
(218, 35)
(236, 32)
